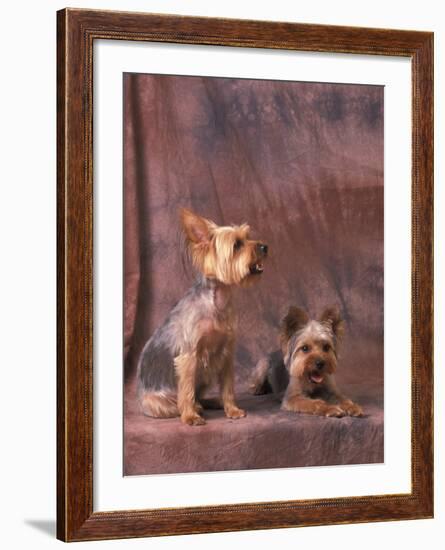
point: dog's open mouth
(316, 377)
(256, 268)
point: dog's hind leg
(159, 404)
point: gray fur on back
(156, 368)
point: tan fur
(159, 405)
(186, 367)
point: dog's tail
(258, 383)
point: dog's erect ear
(331, 317)
(295, 319)
(197, 229)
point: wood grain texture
(76, 32)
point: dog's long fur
(194, 347)
(301, 373)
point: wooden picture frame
(76, 32)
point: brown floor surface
(266, 438)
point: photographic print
(253, 274)
(224, 298)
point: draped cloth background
(302, 163)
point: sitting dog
(195, 346)
(302, 372)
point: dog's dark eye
(238, 244)
(326, 347)
(305, 348)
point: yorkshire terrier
(301, 373)
(194, 348)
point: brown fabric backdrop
(302, 163)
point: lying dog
(303, 370)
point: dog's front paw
(193, 419)
(351, 408)
(235, 412)
(333, 410)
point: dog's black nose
(262, 248)
(319, 363)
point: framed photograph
(245, 228)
